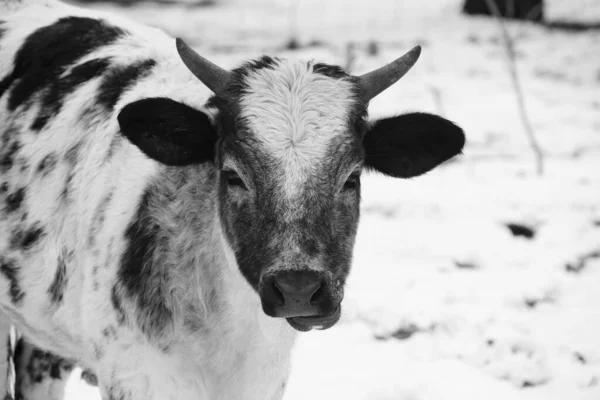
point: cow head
(291, 140)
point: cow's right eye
(233, 180)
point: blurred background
(480, 280)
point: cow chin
(305, 324)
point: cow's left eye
(233, 180)
(351, 182)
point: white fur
(296, 113)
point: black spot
(24, 164)
(95, 282)
(120, 79)
(98, 351)
(117, 306)
(49, 51)
(332, 71)
(116, 393)
(25, 240)
(9, 269)
(98, 219)
(4, 187)
(112, 148)
(2, 30)
(53, 99)
(43, 365)
(47, 164)
(520, 230)
(256, 65)
(109, 332)
(72, 154)
(14, 200)
(7, 155)
(142, 278)
(64, 194)
(58, 285)
(310, 246)
(9, 147)
(89, 377)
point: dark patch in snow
(580, 358)
(579, 265)
(402, 333)
(532, 302)
(573, 26)
(518, 229)
(465, 264)
(530, 384)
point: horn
(377, 81)
(213, 76)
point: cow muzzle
(304, 298)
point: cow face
(291, 141)
(290, 157)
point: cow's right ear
(168, 131)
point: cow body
(169, 225)
(81, 207)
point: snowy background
(444, 302)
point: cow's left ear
(169, 132)
(411, 144)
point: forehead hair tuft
(332, 71)
(243, 82)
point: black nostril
(319, 295)
(277, 293)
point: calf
(170, 224)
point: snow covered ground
(443, 301)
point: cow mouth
(305, 324)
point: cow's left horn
(213, 76)
(382, 78)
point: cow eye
(233, 180)
(351, 182)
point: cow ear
(411, 144)
(168, 131)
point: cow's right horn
(213, 76)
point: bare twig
(350, 56)
(437, 99)
(512, 67)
